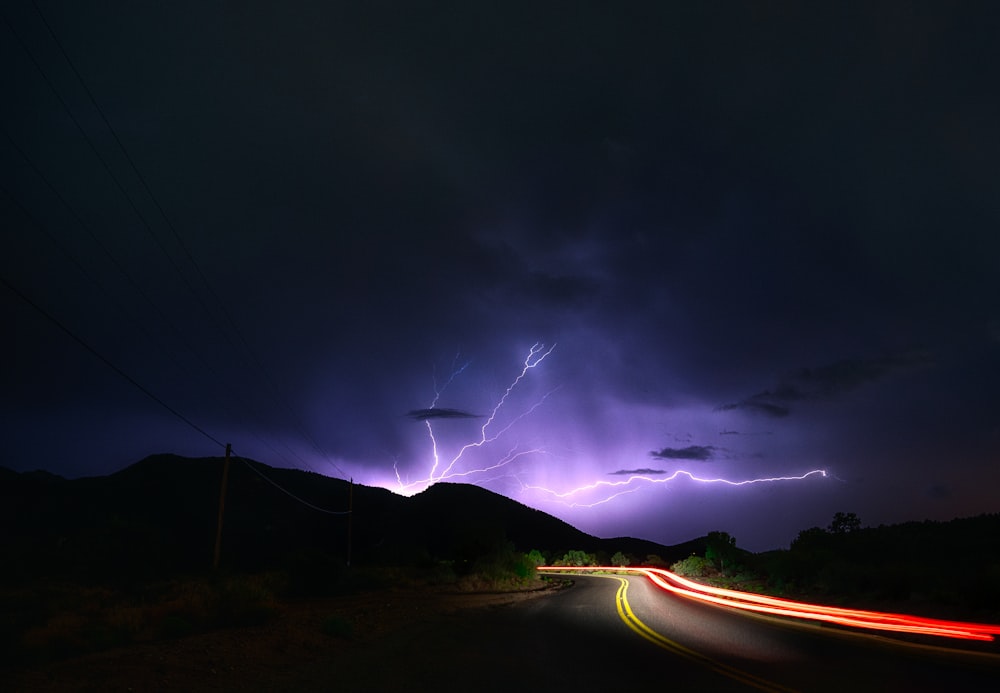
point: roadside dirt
(347, 634)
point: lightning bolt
(455, 372)
(443, 469)
(566, 496)
(488, 432)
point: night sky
(743, 240)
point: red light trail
(856, 618)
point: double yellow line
(633, 622)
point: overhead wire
(36, 223)
(107, 167)
(286, 491)
(135, 383)
(302, 429)
(228, 317)
(66, 329)
(104, 163)
(78, 218)
(86, 345)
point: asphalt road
(696, 646)
(603, 634)
(577, 640)
(572, 640)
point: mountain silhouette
(158, 517)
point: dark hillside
(449, 514)
(158, 518)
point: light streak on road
(855, 618)
(627, 615)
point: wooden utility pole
(350, 519)
(222, 507)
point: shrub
(535, 557)
(694, 567)
(578, 558)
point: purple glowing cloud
(522, 449)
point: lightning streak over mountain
(588, 495)
(536, 354)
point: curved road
(659, 636)
(577, 640)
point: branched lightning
(577, 504)
(642, 479)
(455, 372)
(536, 354)
(511, 456)
(585, 496)
(667, 479)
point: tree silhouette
(720, 548)
(843, 523)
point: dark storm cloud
(440, 413)
(560, 290)
(848, 374)
(692, 452)
(369, 191)
(755, 404)
(825, 382)
(641, 471)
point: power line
(135, 168)
(132, 381)
(104, 248)
(177, 236)
(287, 492)
(107, 167)
(139, 290)
(245, 345)
(79, 340)
(110, 172)
(173, 329)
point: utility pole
(350, 518)
(222, 507)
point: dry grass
(347, 629)
(57, 621)
(54, 621)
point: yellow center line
(633, 622)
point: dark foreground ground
(384, 640)
(423, 639)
